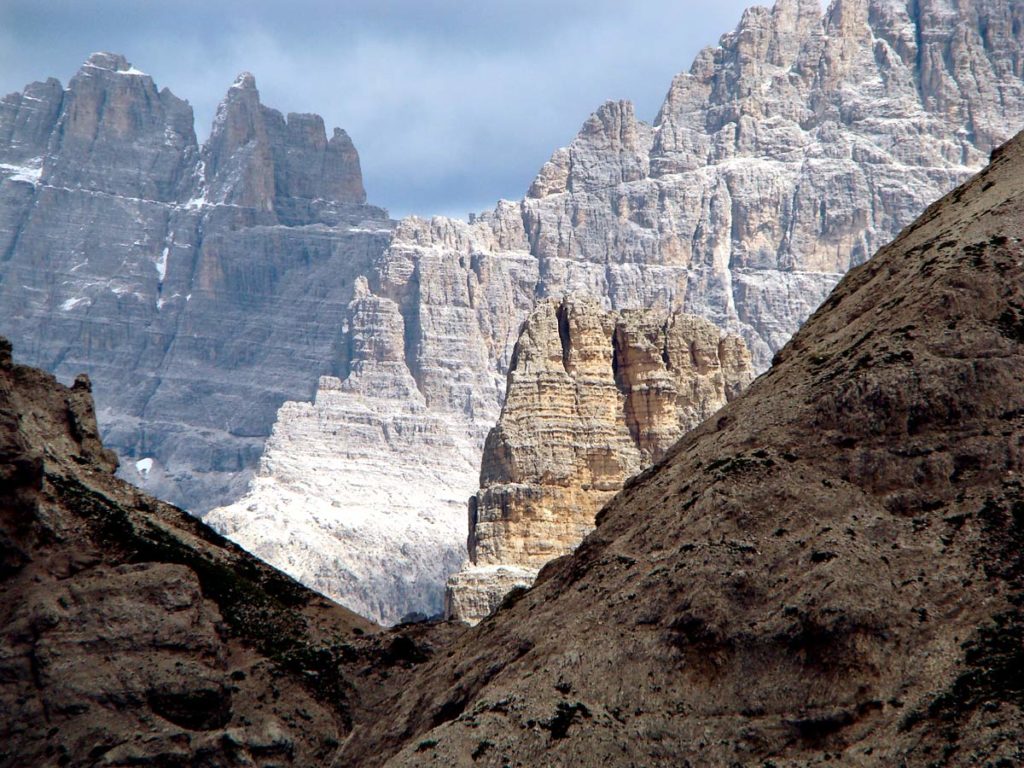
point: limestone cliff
(784, 156)
(360, 494)
(200, 287)
(593, 397)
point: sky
(452, 105)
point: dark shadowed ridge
(827, 571)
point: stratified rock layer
(360, 494)
(593, 397)
(829, 572)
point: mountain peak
(245, 82)
(106, 60)
(113, 62)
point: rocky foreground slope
(785, 155)
(827, 572)
(593, 397)
(132, 634)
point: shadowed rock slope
(828, 571)
(133, 634)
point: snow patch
(161, 263)
(70, 304)
(29, 173)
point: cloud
(452, 105)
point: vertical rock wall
(199, 287)
(593, 397)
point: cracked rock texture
(785, 155)
(200, 287)
(594, 396)
(827, 572)
(319, 507)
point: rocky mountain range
(199, 286)
(785, 155)
(203, 287)
(827, 571)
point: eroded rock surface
(200, 287)
(207, 293)
(361, 494)
(784, 156)
(593, 397)
(132, 633)
(788, 153)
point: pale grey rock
(200, 287)
(786, 155)
(473, 593)
(360, 494)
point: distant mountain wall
(200, 287)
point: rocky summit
(200, 287)
(827, 572)
(593, 397)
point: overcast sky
(452, 105)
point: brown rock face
(134, 635)
(829, 571)
(593, 397)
